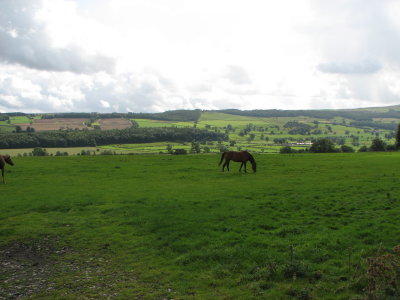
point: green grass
(148, 148)
(145, 148)
(157, 227)
(52, 151)
(160, 123)
(216, 116)
(19, 119)
(4, 127)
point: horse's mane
(251, 158)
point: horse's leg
(227, 164)
(245, 163)
(2, 174)
(241, 167)
(224, 165)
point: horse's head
(254, 166)
(8, 160)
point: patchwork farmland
(256, 131)
(114, 123)
(56, 124)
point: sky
(158, 55)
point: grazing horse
(3, 160)
(242, 156)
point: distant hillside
(359, 114)
(366, 114)
(93, 138)
(172, 115)
(263, 131)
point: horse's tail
(222, 158)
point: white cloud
(361, 67)
(118, 55)
(25, 41)
(10, 101)
(105, 104)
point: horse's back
(238, 156)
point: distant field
(4, 127)
(259, 134)
(56, 124)
(222, 120)
(19, 119)
(213, 116)
(53, 151)
(160, 123)
(175, 227)
(211, 120)
(70, 123)
(149, 148)
(146, 148)
(114, 123)
(9, 126)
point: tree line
(88, 138)
(173, 115)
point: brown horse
(3, 160)
(242, 156)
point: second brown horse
(3, 160)
(241, 156)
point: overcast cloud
(150, 56)
(24, 41)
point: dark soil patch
(26, 267)
(41, 268)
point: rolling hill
(264, 131)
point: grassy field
(159, 123)
(51, 151)
(146, 148)
(175, 227)
(20, 119)
(4, 127)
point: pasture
(55, 124)
(176, 227)
(114, 123)
(66, 123)
(161, 123)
